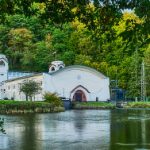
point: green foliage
(19, 43)
(22, 104)
(147, 69)
(138, 105)
(53, 99)
(68, 57)
(92, 105)
(30, 88)
(27, 107)
(134, 80)
(100, 35)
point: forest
(112, 36)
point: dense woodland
(112, 36)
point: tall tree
(147, 70)
(20, 40)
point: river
(78, 130)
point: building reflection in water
(3, 141)
(88, 129)
(77, 130)
(21, 133)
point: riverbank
(21, 107)
(137, 105)
(93, 105)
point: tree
(38, 59)
(20, 41)
(30, 88)
(97, 33)
(134, 76)
(3, 38)
(147, 70)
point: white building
(3, 68)
(75, 82)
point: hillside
(104, 35)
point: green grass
(9, 106)
(138, 105)
(92, 105)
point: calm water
(78, 130)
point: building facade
(77, 83)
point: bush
(12, 107)
(93, 105)
(138, 105)
(53, 99)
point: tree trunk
(26, 97)
(30, 98)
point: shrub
(138, 105)
(11, 107)
(93, 105)
(53, 99)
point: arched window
(2, 63)
(60, 67)
(52, 68)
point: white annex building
(75, 82)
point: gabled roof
(80, 67)
(81, 87)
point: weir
(67, 104)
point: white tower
(3, 68)
(56, 65)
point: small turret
(3, 68)
(56, 65)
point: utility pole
(143, 82)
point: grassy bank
(93, 105)
(138, 105)
(15, 107)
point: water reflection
(2, 126)
(130, 129)
(84, 130)
(29, 128)
(80, 121)
(67, 130)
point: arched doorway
(79, 96)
